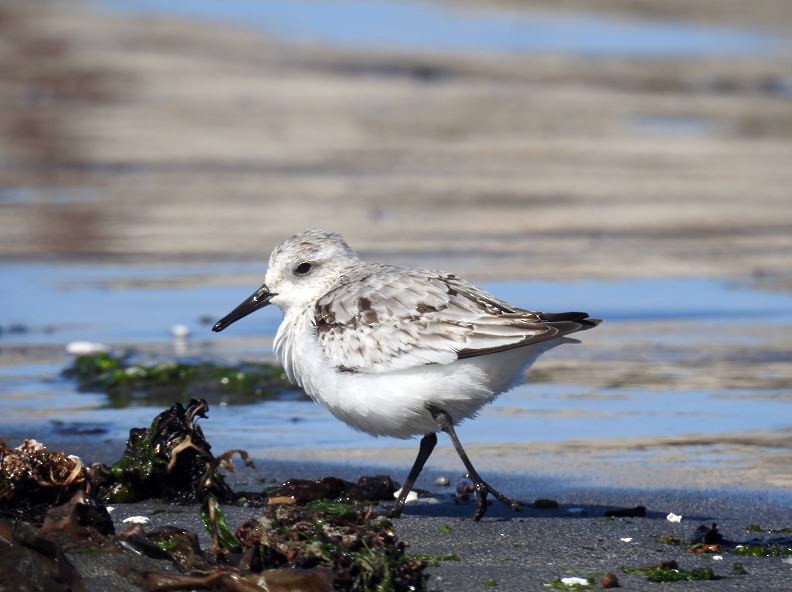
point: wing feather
(381, 318)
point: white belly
(395, 403)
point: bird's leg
(446, 424)
(428, 443)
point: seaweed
(669, 571)
(757, 528)
(213, 519)
(738, 569)
(434, 560)
(32, 478)
(770, 549)
(325, 538)
(125, 382)
(170, 459)
(302, 491)
(362, 552)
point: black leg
(428, 443)
(445, 423)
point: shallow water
(442, 26)
(135, 306)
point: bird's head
(301, 269)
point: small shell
(412, 496)
(674, 517)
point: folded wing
(383, 318)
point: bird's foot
(482, 489)
(396, 512)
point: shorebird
(397, 351)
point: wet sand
(524, 551)
(132, 138)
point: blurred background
(632, 158)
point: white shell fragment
(137, 520)
(442, 481)
(83, 348)
(574, 581)
(717, 557)
(412, 497)
(674, 517)
(626, 539)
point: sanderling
(396, 351)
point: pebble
(465, 486)
(609, 580)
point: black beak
(259, 299)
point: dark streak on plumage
(347, 323)
(425, 308)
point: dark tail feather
(566, 320)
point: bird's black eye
(302, 268)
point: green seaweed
(662, 573)
(739, 569)
(750, 550)
(754, 528)
(757, 528)
(670, 540)
(170, 459)
(333, 508)
(444, 529)
(168, 545)
(434, 560)
(160, 383)
(363, 552)
(490, 583)
(213, 519)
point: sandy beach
(154, 161)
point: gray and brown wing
(383, 318)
